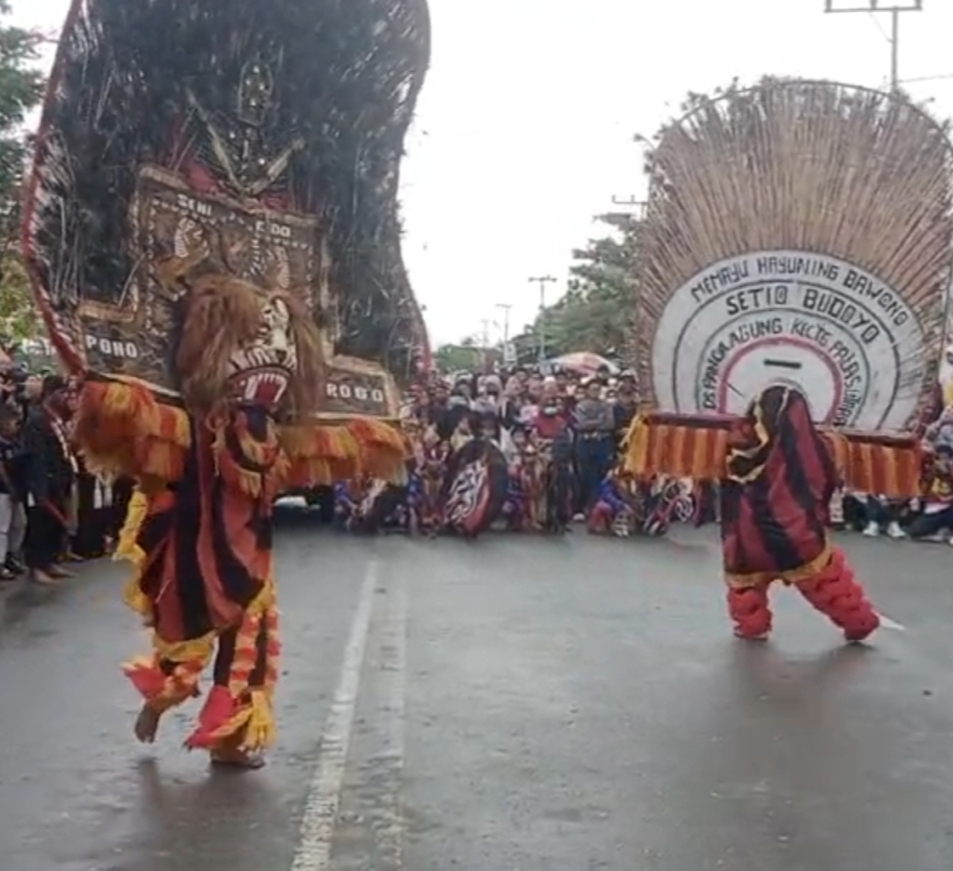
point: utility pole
(629, 201)
(506, 319)
(638, 208)
(543, 281)
(895, 9)
(505, 306)
(486, 344)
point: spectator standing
(31, 395)
(625, 408)
(550, 421)
(511, 404)
(439, 406)
(487, 407)
(9, 421)
(595, 423)
(51, 472)
(8, 385)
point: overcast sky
(524, 128)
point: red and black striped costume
(205, 581)
(775, 502)
(777, 473)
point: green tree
(595, 313)
(453, 358)
(21, 88)
(18, 317)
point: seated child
(935, 521)
(613, 512)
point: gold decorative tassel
(260, 730)
(128, 548)
(124, 430)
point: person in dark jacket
(50, 474)
(595, 424)
(8, 500)
(16, 465)
(626, 406)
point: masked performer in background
(475, 483)
(775, 503)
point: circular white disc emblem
(771, 361)
(850, 343)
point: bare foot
(147, 724)
(47, 580)
(237, 759)
(60, 572)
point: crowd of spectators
(594, 412)
(926, 518)
(591, 412)
(52, 511)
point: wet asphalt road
(511, 704)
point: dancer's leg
(163, 684)
(835, 592)
(228, 750)
(750, 611)
(237, 724)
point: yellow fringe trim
(135, 599)
(322, 454)
(792, 576)
(266, 598)
(193, 650)
(268, 455)
(246, 653)
(124, 430)
(636, 446)
(256, 719)
(178, 687)
(261, 730)
(127, 547)
(259, 453)
(762, 438)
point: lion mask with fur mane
(241, 343)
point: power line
(894, 38)
(879, 26)
(926, 79)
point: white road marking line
(887, 623)
(324, 794)
(389, 827)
